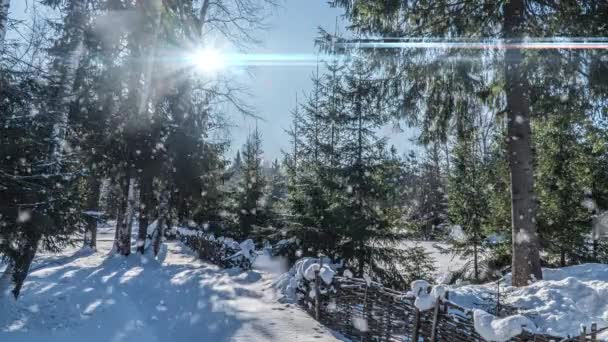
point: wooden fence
(363, 311)
(214, 251)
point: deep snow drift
(560, 304)
(90, 296)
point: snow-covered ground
(91, 296)
(566, 299)
(444, 263)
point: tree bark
(162, 218)
(122, 237)
(526, 259)
(61, 98)
(145, 209)
(24, 261)
(94, 187)
(4, 6)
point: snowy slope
(92, 297)
(560, 304)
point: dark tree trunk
(163, 212)
(145, 209)
(4, 5)
(90, 234)
(122, 242)
(22, 263)
(526, 260)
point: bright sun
(209, 60)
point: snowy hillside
(84, 296)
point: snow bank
(559, 304)
(496, 329)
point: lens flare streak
(430, 43)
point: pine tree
(511, 21)
(40, 185)
(564, 220)
(467, 196)
(251, 188)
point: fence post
(435, 321)
(317, 295)
(582, 337)
(416, 325)
(594, 332)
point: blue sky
(293, 28)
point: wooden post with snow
(317, 295)
(436, 313)
(416, 329)
(594, 332)
(582, 337)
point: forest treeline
(104, 116)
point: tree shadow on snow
(127, 299)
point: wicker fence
(363, 311)
(215, 251)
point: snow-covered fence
(224, 252)
(363, 310)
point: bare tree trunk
(163, 211)
(145, 209)
(203, 16)
(122, 237)
(62, 98)
(526, 259)
(19, 266)
(4, 5)
(90, 234)
(24, 261)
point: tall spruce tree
(251, 211)
(467, 196)
(511, 21)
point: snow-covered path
(94, 297)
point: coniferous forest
(110, 116)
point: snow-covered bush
(299, 283)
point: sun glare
(209, 60)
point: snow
(419, 287)
(327, 274)
(304, 270)
(247, 248)
(96, 297)
(500, 329)
(311, 272)
(424, 300)
(445, 263)
(559, 304)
